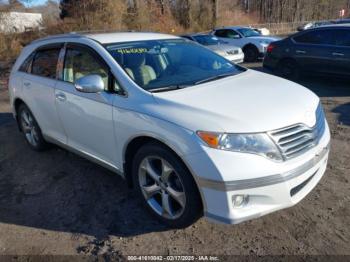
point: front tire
(251, 54)
(166, 187)
(31, 129)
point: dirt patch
(58, 203)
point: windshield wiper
(212, 78)
(167, 88)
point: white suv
(253, 44)
(192, 132)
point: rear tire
(30, 129)
(289, 69)
(251, 54)
(166, 187)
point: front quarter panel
(130, 124)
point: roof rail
(49, 37)
(99, 31)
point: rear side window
(317, 37)
(221, 33)
(25, 67)
(45, 63)
(227, 33)
(342, 37)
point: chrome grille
(295, 140)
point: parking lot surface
(58, 203)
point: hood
(245, 103)
(265, 38)
(222, 47)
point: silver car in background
(232, 53)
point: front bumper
(237, 58)
(270, 186)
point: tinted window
(342, 37)
(227, 33)
(25, 67)
(45, 63)
(81, 62)
(247, 32)
(221, 33)
(318, 37)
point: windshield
(206, 40)
(247, 32)
(170, 64)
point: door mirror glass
(90, 84)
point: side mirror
(90, 84)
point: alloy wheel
(29, 128)
(162, 187)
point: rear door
(341, 52)
(39, 83)
(313, 50)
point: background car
(253, 44)
(320, 50)
(342, 21)
(262, 31)
(232, 53)
(314, 25)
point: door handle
(61, 97)
(337, 54)
(26, 84)
(301, 52)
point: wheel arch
(133, 145)
(16, 104)
(137, 142)
(250, 45)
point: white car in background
(253, 44)
(193, 133)
(232, 53)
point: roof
(198, 34)
(106, 38)
(232, 27)
(334, 25)
(116, 37)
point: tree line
(198, 14)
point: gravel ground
(60, 204)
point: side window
(221, 33)
(79, 63)
(25, 67)
(233, 34)
(317, 37)
(342, 37)
(45, 63)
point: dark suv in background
(323, 50)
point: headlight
(259, 143)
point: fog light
(240, 200)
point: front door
(86, 117)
